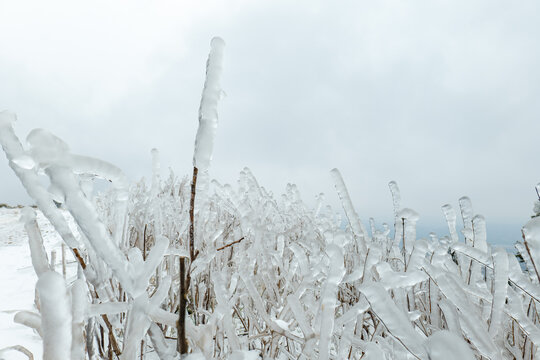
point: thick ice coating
(208, 115)
(55, 316)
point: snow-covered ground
(18, 280)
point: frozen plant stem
(192, 214)
(185, 276)
(530, 256)
(204, 144)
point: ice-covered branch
(55, 316)
(29, 178)
(208, 115)
(355, 222)
(40, 262)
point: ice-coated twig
(88, 220)
(336, 272)
(55, 316)
(500, 281)
(29, 178)
(18, 348)
(396, 197)
(450, 215)
(531, 240)
(515, 309)
(40, 261)
(143, 311)
(163, 350)
(30, 319)
(355, 222)
(465, 206)
(78, 313)
(394, 319)
(406, 230)
(208, 115)
(225, 310)
(471, 322)
(446, 345)
(47, 149)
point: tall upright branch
(204, 145)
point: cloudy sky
(440, 96)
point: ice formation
(270, 278)
(208, 115)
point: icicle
(208, 115)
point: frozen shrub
(249, 275)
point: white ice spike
(208, 115)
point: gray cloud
(440, 96)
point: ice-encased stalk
(396, 197)
(465, 206)
(78, 313)
(40, 262)
(55, 316)
(335, 274)
(208, 115)
(500, 281)
(450, 216)
(531, 240)
(29, 178)
(479, 231)
(355, 222)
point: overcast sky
(441, 96)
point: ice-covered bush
(237, 273)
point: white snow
(19, 280)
